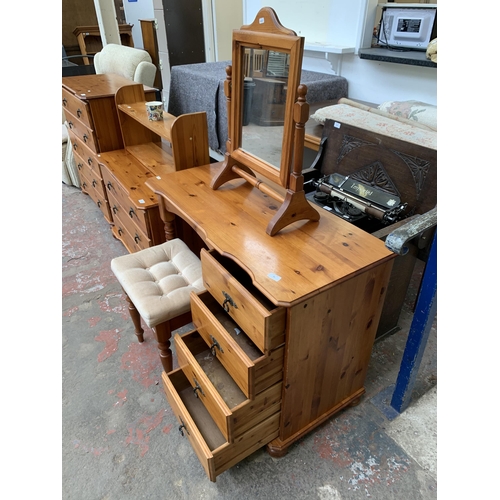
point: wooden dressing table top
(296, 263)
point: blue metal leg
(425, 312)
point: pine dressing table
(325, 284)
(283, 333)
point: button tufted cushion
(158, 280)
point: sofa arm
(145, 73)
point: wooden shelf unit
(88, 103)
(151, 149)
(90, 42)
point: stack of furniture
(90, 42)
(89, 106)
(284, 332)
(150, 149)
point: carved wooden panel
(395, 166)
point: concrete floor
(120, 438)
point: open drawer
(231, 286)
(252, 370)
(233, 413)
(213, 451)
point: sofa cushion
(351, 115)
(412, 110)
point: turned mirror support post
(227, 93)
(295, 206)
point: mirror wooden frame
(266, 32)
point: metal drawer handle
(109, 185)
(120, 231)
(99, 203)
(70, 125)
(79, 166)
(215, 345)
(136, 238)
(65, 102)
(183, 426)
(131, 213)
(89, 161)
(228, 301)
(84, 185)
(197, 388)
(75, 146)
(115, 209)
(85, 138)
(78, 112)
(94, 183)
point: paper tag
(336, 125)
(274, 277)
(142, 201)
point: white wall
(342, 22)
(140, 9)
(349, 22)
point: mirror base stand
(294, 208)
(226, 172)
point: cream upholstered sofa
(411, 121)
(129, 62)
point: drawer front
(84, 132)
(214, 453)
(233, 413)
(120, 196)
(82, 165)
(81, 149)
(76, 107)
(128, 234)
(263, 323)
(252, 370)
(119, 211)
(203, 387)
(92, 185)
(91, 173)
(205, 440)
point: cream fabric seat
(129, 62)
(157, 282)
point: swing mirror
(266, 68)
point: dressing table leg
(168, 219)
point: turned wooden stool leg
(163, 335)
(136, 318)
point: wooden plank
(328, 352)
(130, 175)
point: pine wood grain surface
(300, 260)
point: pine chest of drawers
(89, 106)
(226, 394)
(292, 316)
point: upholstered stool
(157, 283)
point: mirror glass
(265, 88)
(261, 89)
